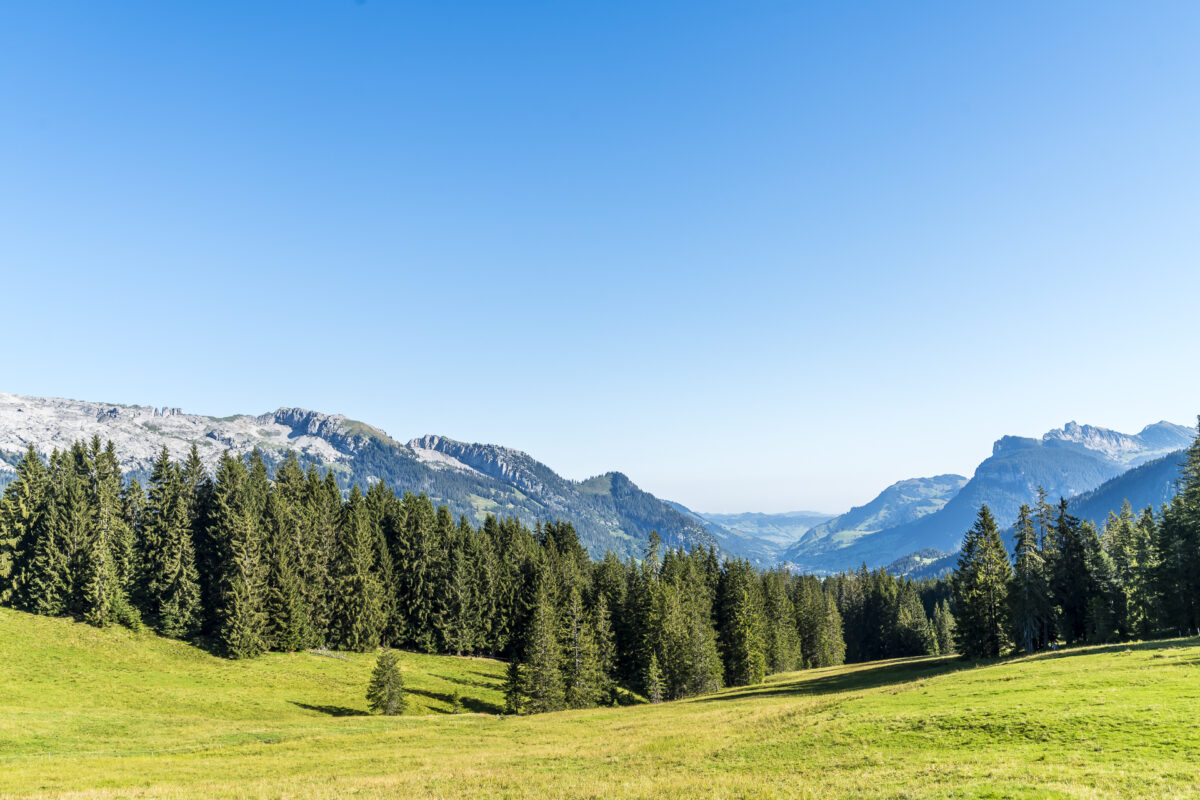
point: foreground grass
(87, 713)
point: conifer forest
(243, 562)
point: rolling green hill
(108, 713)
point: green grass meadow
(108, 713)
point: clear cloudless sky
(758, 255)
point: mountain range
(608, 511)
(910, 525)
(1079, 462)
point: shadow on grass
(872, 675)
(864, 676)
(333, 711)
(490, 682)
(1119, 647)
(472, 704)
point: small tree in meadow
(385, 694)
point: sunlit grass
(109, 714)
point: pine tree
(102, 593)
(23, 504)
(1104, 609)
(167, 582)
(385, 693)
(287, 624)
(654, 681)
(747, 662)
(1030, 595)
(943, 625)
(583, 679)
(356, 614)
(981, 584)
(416, 572)
(514, 688)
(1070, 580)
(236, 538)
(544, 689)
(43, 583)
(912, 634)
(782, 647)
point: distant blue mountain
(1070, 461)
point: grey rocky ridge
(609, 511)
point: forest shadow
(487, 682)
(897, 673)
(471, 704)
(1118, 647)
(885, 673)
(333, 711)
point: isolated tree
(385, 693)
(980, 585)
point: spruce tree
(544, 689)
(43, 583)
(1030, 595)
(654, 681)
(236, 537)
(747, 662)
(287, 623)
(356, 616)
(385, 693)
(943, 625)
(981, 584)
(21, 508)
(1070, 580)
(514, 688)
(583, 679)
(167, 582)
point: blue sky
(758, 255)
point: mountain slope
(609, 512)
(1150, 484)
(896, 505)
(1067, 462)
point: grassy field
(89, 713)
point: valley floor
(103, 714)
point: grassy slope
(97, 713)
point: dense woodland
(244, 561)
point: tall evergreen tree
(544, 689)
(23, 504)
(237, 540)
(356, 610)
(1032, 614)
(981, 584)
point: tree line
(243, 561)
(1068, 582)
